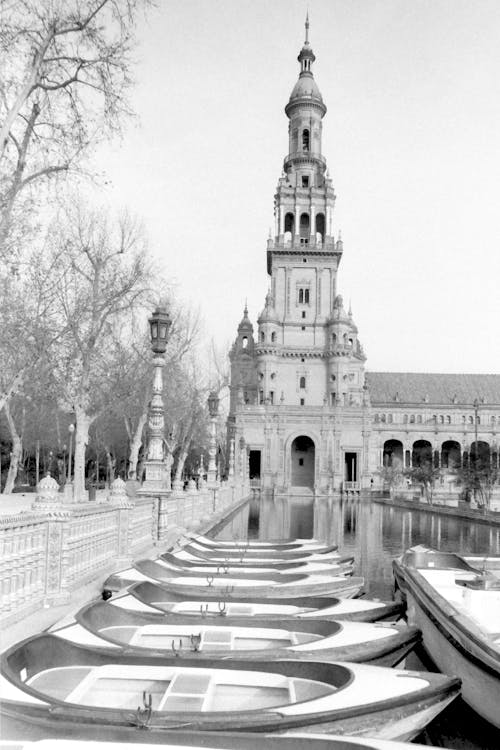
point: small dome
(48, 483)
(245, 323)
(306, 88)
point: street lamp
(159, 326)
(213, 410)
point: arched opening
(305, 140)
(244, 342)
(289, 227)
(302, 382)
(304, 227)
(421, 454)
(262, 337)
(302, 462)
(480, 455)
(320, 227)
(450, 455)
(393, 454)
(273, 336)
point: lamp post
(159, 325)
(476, 410)
(213, 410)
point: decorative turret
(243, 385)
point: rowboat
(214, 741)
(51, 681)
(457, 607)
(249, 553)
(152, 597)
(287, 584)
(190, 562)
(386, 644)
(290, 545)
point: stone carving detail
(118, 494)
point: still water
(375, 534)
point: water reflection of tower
(370, 554)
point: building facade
(304, 412)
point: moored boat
(150, 596)
(457, 608)
(385, 644)
(191, 562)
(290, 545)
(47, 680)
(287, 584)
(248, 553)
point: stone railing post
(119, 499)
(50, 503)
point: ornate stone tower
(298, 401)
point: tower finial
(245, 311)
(307, 27)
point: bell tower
(298, 397)
(303, 248)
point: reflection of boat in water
(274, 584)
(457, 607)
(47, 680)
(100, 623)
(150, 596)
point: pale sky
(412, 140)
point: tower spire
(307, 28)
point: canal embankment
(462, 510)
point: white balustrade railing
(46, 554)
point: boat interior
(61, 671)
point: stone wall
(48, 552)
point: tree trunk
(16, 453)
(180, 463)
(169, 460)
(135, 446)
(81, 441)
(110, 465)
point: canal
(375, 534)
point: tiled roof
(433, 388)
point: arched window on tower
(301, 296)
(273, 336)
(306, 296)
(244, 342)
(305, 140)
(304, 229)
(262, 337)
(289, 226)
(302, 382)
(320, 227)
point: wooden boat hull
(385, 645)
(454, 644)
(308, 545)
(360, 700)
(154, 596)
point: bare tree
(105, 275)
(65, 72)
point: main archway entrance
(302, 462)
